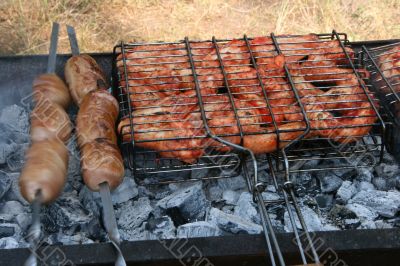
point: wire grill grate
(218, 104)
(196, 95)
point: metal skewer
(73, 42)
(35, 229)
(110, 222)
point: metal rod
(378, 69)
(360, 81)
(226, 83)
(34, 230)
(268, 230)
(261, 83)
(73, 42)
(110, 222)
(204, 116)
(51, 63)
(296, 94)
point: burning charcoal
(16, 160)
(60, 238)
(67, 212)
(362, 212)
(368, 225)
(214, 193)
(344, 217)
(8, 243)
(311, 163)
(380, 183)
(145, 192)
(8, 132)
(365, 186)
(14, 192)
(134, 234)
(7, 229)
(161, 193)
(246, 208)
(386, 170)
(132, 214)
(74, 184)
(388, 158)
(198, 172)
(23, 220)
(352, 223)
(90, 200)
(5, 217)
(302, 178)
(340, 167)
(13, 207)
(161, 228)
(345, 192)
(189, 203)
(324, 201)
(228, 209)
(7, 147)
(391, 183)
(330, 183)
(74, 163)
(198, 229)
(5, 183)
(364, 174)
(312, 220)
(384, 203)
(397, 179)
(17, 117)
(381, 224)
(232, 223)
(125, 191)
(270, 196)
(230, 197)
(270, 188)
(232, 183)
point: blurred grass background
(25, 25)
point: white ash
(161, 228)
(198, 229)
(341, 199)
(232, 223)
(345, 192)
(246, 208)
(230, 197)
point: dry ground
(25, 24)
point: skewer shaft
(51, 63)
(35, 230)
(73, 42)
(110, 222)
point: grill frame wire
(369, 57)
(128, 100)
(337, 152)
(255, 186)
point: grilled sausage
(49, 87)
(46, 164)
(81, 74)
(45, 170)
(97, 117)
(49, 120)
(101, 161)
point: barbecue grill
(189, 55)
(281, 164)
